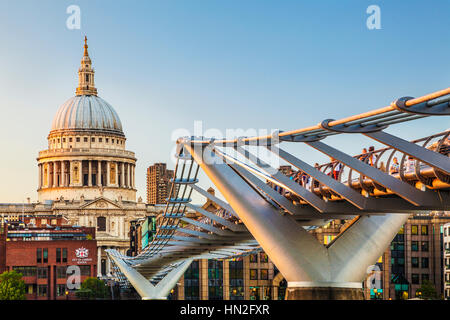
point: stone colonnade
(70, 173)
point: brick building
(43, 254)
(158, 183)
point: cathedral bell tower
(86, 85)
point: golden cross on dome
(85, 46)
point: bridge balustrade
(407, 169)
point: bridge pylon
(144, 287)
(312, 270)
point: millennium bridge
(266, 209)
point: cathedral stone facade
(86, 175)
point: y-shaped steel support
(312, 270)
(146, 290)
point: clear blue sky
(232, 64)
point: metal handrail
(381, 113)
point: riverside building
(43, 254)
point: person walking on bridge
(395, 166)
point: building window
(425, 263)
(107, 140)
(61, 272)
(398, 263)
(253, 274)
(264, 274)
(414, 229)
(263, 257)
(42, 290)
(415, 278)
(236, 280)
(26, 271)
(425, 277)
(215, 280)
(424, 246)
(92, 139)
(64, 257)
(414, 262)
(112, 140)
(85, 270)
(414, 246)
(101, 224)
(60, 290)
(42, 273)
(58, 254)
(31, 288)
(64, 140)
(85, 139)
(192, 282)
(70, 139)
(254, 293)
(78, 139)
(254, 258)
(39, 255)
(45, 255)
(100, 139)
(424, 230)
(397, 246)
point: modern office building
(253, 277)
(416, 254)
(43, 254)
(158, 183)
